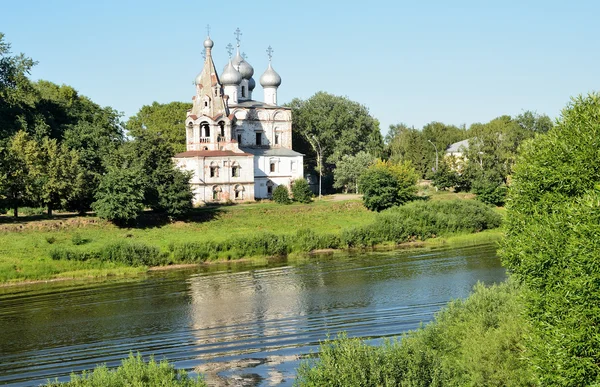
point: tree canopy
(167, 119)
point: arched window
(216, 193)
(243, 91)
(206, 101)
(276, 138)
(214, 169)
(239, 192)
(270, 188)
(222, 126)
(235, 169)
(205, 129)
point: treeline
(60, 150)
(542, 328)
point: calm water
(238, 324)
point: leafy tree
(301, 191)
(167, 120)
(120, 196)
(349, 169)
(14, 172)
(534, 122)
(552, 244)
(444, 178)
(281, 195)
(334, 125)
(386, 184)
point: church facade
(237, 149)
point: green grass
(90, 247)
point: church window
(259, 138)
(214, 169)
(239, 137)
(216, 193)
(243, 91)
(272, 166)
(239, 192)
(269, 188)
(276, 138)
(206, 129)
(222, 126)
(235, 170)
(206, 101)
(293, 166)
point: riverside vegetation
(228, 233)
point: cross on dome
(270, 52)
(229, 49)
(237, 34)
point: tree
(168, 120)
(301, 191)
(552, 244)
(14, 172)
(120, 196)
(385, 185)
(444, 178)
(336, 125)
(281, 195)
(349, 169)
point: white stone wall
(268, 122)
(287, 169)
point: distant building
(238, 149)
(455, 155)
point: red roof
(210, 153)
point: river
(238, 324)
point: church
(237, 149)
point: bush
(281, 195)
(78, 240)
(490, 192)
(133, 371)
(385, 185)
(131, 254)
(307, 240)
(50, 239)
(301, 191)
(552, 244)
(31, 211)
(120, 196)
(475, 342)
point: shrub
(301, 191)
(490, 192)
(385, 185)
(552, 244)
(31, 211)
(307, 240)
(132, 254)
(78, 240)
(475, 342)
(133, 371)
(50, 239)
(281, 195)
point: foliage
(475, 342)
(422, 220)
(281, 195)
(301, 191)
(131, 254)
(489, 192)
(386, 184)
(349, 169)
(164, 120)
(133, 371)
(552, 244)
(445, 178)
(335, 125)
(419, 146)
(120, 196)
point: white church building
(238, 149)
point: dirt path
(343, 197)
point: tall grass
(133, 372)
(475, 342)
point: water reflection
(238, 324)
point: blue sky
(457, 62)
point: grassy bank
(474, 342)
(75, 247)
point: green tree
(386, 184)
(14, 172)
(552, 244)
(120, 196)
(301, 191)
(349, 169)
(444, 178)
(281, 195)
(167, 120)
(335, 126)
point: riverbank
(256, 230)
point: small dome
(198, 79)
(230, 76)
(251, 84)
(270, 78)
(246, 70)
(208, 43)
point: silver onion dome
(251, 84)
(245, 69)
(208, 43)
(270, 78)
(230, 75)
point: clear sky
(456, 61)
